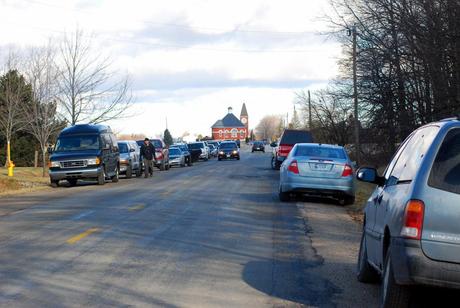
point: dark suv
(411, 233)
(85, 152)
(289, 139)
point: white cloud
(191, 59)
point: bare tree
(14, 92)
(89, 90)
(41, 113)
(268, 127)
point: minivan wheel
(116, 177)
(365, 272)
(101, 177)
(129, 172)
(393, 295)
(54, 183)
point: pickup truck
(288, 140)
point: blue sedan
(317, 169)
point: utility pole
(355, 97)
(310, 125)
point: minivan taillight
(347, 171)
(293, 167)
(413, 220)
(284, 150)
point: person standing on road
(148, 155)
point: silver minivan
(411, 233)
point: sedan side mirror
(369, 175)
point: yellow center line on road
(81, 236)
(137, 207)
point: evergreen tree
(168, 139)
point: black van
(85, 152)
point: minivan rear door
(441, 226)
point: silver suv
(411, 233)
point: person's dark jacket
(148, 151)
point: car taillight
(347, 171)
(413, 219)
(293, 167)
(159, 155)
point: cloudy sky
(189, 60)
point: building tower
(244, 118)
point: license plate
(228, 155)
(320, 166)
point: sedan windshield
(320, 152)
(229, 145)
(77, 143)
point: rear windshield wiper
(404, 182)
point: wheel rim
(386, 277)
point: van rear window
(445, 173)
(292, 137)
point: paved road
(211, 235)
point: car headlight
(221, 153)
(235, 152)
(93, 161)
(55, 164)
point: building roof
(244, 111)
(228, 121)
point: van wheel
(393, 295)
(54, 183)
(101, 177)
(129, 172)
(116, 177)
(72, 182)
(365, 273)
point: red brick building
(230, 127)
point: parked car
(200, 145)
(212, 150)
(129, 158)
(214, 142)
(228, 150)
(85, 152)
(289, 138)
(161, 153)
(184, 148)
(176, 157)
(411, 232)
(258, 146)
(317, 169)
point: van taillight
(413, 220)
(293, 167)
(347, 171)
(284, 150)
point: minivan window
(412, 156)
(445, 173)
(293, 137)
(320, 152)
(77, 143)
(123, 147)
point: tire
(162, 166)
(54, 183)
(275, 164)
(284, 196)
(168, 166)
(238, 158)
(72, 182)
(393, 295)
(346, 200)
(190, 162)
(138, 171)
(101, 177)
(129, 172)
(219, 159)
(364, 271)
(116, 177)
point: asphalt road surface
(211, 235)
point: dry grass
(363, 191)
(25, 179)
